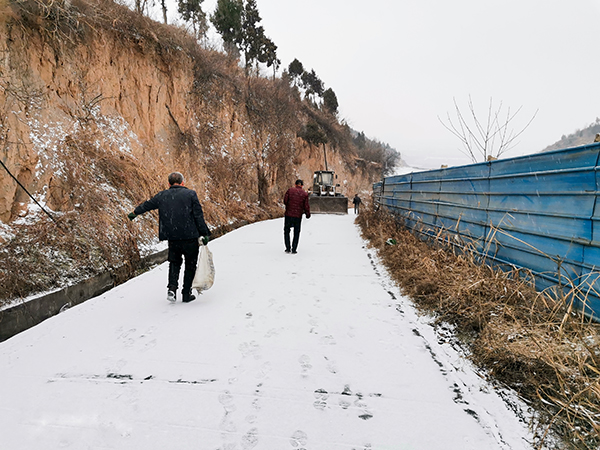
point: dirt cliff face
(98, 105)
(95, 91)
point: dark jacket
(180, 215)
(296, 202)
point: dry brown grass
(520, 338)
(90, 196)
(66, 24)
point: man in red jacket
(296, 203)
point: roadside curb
(27, 314)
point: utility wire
(31, 196)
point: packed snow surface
(311, 351)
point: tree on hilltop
(141, 6)
(295, 69)
(377, 152)
(313, 134)
(255, 45)
(238, 24)
(360, 140)
(312, 84)
(163, 6)
(227, 19)
(330, 101)
(268, 55)
(191, 11)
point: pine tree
(191, 11)
(238, 25)
(254, 44)
(268, 55)
(312, 84)
(227, 19)
(330, 101)
(295, 69)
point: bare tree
(485, 139)
(141, 6)
(163, 5)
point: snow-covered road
(313, 351)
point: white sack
(205, 270)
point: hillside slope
(97, 106)
(583, 136)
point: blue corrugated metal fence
(538, 212)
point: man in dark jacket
(356, 201)
(296, 203)
(181, 222)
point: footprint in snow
(305, 364)
(331, 367)
(226, 399)
(328, 340)
(250, 439)
(149, 345)
(344, 401)
(359, 403)
(265, 368)
(321, 396)
(299, 439)
(272, 332)
(126, 337)
(227, 424)
(250, 348)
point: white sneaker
(171, 296)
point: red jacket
(296, 202)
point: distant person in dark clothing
(296, 204)
(357, 201)
(181, 222)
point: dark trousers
(291, 222)
(356, 207)
(189, 249)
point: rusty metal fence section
(538, 212)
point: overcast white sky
(396, 65)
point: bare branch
(484, 139)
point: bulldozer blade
(328, 205)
